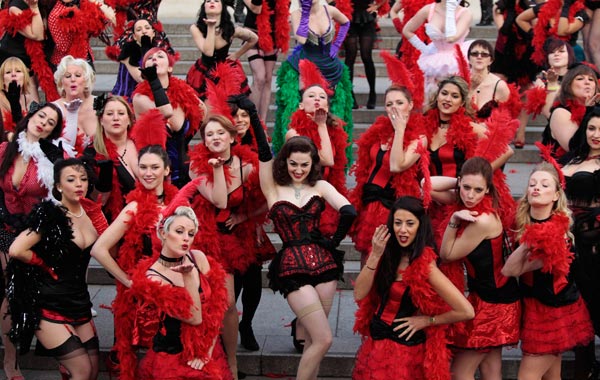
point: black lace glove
(12, 95)
(53, 152)
(160, 95)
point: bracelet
(552, 88)
(368, 267)
(432, 320)
(453, 225)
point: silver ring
(393, 117)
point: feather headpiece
(228, 81)
(399, 74)
(463, 66)
(546, 155)
(183, 198)
(310, 75)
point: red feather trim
(398, 73)
(310, 75)
(264, 27)
(437, 355)
(535, 100)
(346, 7)
(7, 121)
(228, 81)
(112, 52)
(546, 154)
(513, 104)
(39, 65)
(463, 65)
(94, 212)
(182, 198)
(181, 95)
(384, 9)
(382, 132)
(460, 132)
(282, 25)
(149, 129)
(174, 301)
(11, 24)
(424, 163)
(577, 111)
(115, 202)
(548, 242)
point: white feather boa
(45, 168)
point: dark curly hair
(59, 166)
(226, 25)
(579, 149)
(13, 147)
(297, 144)
(388, 265)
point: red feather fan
(535, 100)
(149, 129)
(463, 65)
(229, 83)
(546, 155)
(311, 76)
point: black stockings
(366, 43)
(251, 282)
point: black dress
(583, 193)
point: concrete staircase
(277, 356)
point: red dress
(376, 187)
(494, 297)
(555, 318)
(383, 359)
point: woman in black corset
(582, 174)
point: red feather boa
(35, 50)
(264, 27)
(548, 242)
(282, 25)
(305, 126)
(181, 95)
(460, 132)
(382, 132)
(577, 111)
(513, 104)
(176, 302)
(81, 23)
(437, 355)
(543, 29)
(7, 121)
(207, 238)
(536, 100)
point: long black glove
(160, 95)
(264, 151)
(347, 216)
(105, 176)
(146, 43)
(12, 95)
(53, 152)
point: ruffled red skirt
(369, 218)
(236, 255)
(385, 359)
(494, 325)
(163, 366)
(554, 330)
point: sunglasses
(481, 54)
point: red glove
(37, 261)
(397, 24)
(94, 212)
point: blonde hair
(523, 217)
(165, 224)
(9, 64)
(88, 74)
(99, 144)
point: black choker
(170, 262)
(228, 161)
(161, 197)
(534, 220)
(446, 122)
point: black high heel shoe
(371, 101)
(298, 344)
(247, 338)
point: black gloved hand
(146, 43)
(12, 95)
(149, 73)
(53, 152)
(243, 102)
(347, 216)
(105, 176)
(564, 12)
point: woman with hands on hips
(405, 301)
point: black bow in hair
(99, 103)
